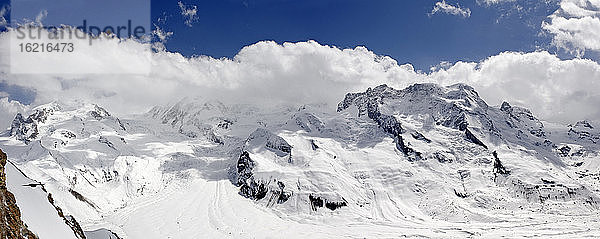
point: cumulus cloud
(308, 72)
(575, 26)
(443, 7)
(554, 89)
(189, 13)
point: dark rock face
(41, 115)
(225, 124)
(499, 169)
(335, 205)
(278, 194)
(256, 189)
(583, 124)
(407, 151)
(250, 187)
(68, 219)
(11, 225)
(460, 194)
(24, 129)
(564, 151)
(471, 137)
(105, 140)
(82, 198)
(68, 134)
(99, 113)
(583, 130)
(244, 168)
(368, 103)
(440, 157)
(505, 107)
(317, 202)
(280, 145)
(419, 136)
(313, 144)
(283, 195)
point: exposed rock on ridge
(11, 225)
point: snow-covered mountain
(425, 161)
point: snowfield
(426, 161)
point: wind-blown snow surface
(426, 161)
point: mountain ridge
(424, 155)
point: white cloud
(189, 13)
(8, 110)
(308, 72)
(554, 89)
(162, 36)
(449, 9)
(493, 2)
(575, 26)
(3, 14)
(41, 16)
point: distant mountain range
(425, 161)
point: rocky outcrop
(471, 137)
(11, 225)
(24, 129)
(99, 113)
(42, 113)
(107, 142)
(409, 152)
(418, 136)
(499, 169)
(256, 189)
(249, 186)
(68, 219)
(278, 194)
(583, 130)
(317, 202)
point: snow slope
(36, 211)
(425, 161)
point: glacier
(426, 161)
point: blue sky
(400, 29)
(403, 30)
(541, 54)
